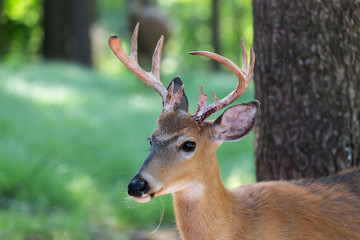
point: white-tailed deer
(183, 162)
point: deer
(183, 162)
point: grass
(71, 138)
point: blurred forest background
(74, 121)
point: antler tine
(170, 100)
(156, 59)
(244, 55)
(251, 67)
(244, 75)
(134, 44)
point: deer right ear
(236, 122)
(184, 103)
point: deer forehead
(175, 125)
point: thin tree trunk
(6, 28)
(83, 12)
(153, 24)
(2, 48)
(66, 30)
(215, 31)
(56, 25)
(307, 77)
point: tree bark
(66, 30)
(307, 77)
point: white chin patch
(144, 199)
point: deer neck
(202, 210)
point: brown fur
(326, 208)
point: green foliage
(191, 29)
(20, 30)
(72, 138)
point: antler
(169, 99)
(244, 74)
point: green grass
(71, 138)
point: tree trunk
(307, 77)
(66, 30)
(2, 42)
(215, 31)
(153, 24)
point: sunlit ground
(71, 139)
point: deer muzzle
(138, 189)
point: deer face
(170, 164)
(181, 149)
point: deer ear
(184, 103)
(236, 122)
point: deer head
(183, 146)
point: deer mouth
(144, 199)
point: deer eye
(188, 146)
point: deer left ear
(236, 122)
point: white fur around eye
(187, 155)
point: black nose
(137, 187)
